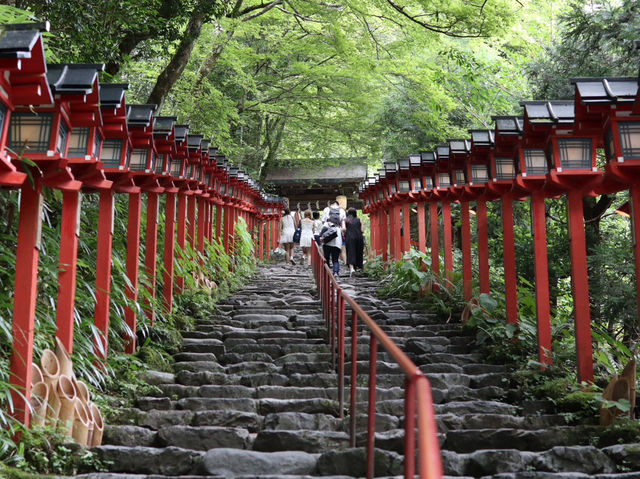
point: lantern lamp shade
(223, 189)
(444, 181)
(575, 153)
(138, 161)
(97, 144)
(111, 153)
(160, 164)
(479, 174)
(30, 132)
(63, 135)
(380, 195)
(428, 183)
(176, 167)
(629, 139)
(403, 164)
(427, 158)
(460, 177)
(392, 189)
(404, 186)
(207, 179)
(416, 184)
(505, 169)
(535, 161)
(78, 142)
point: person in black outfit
(355, 240)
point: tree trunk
(176, 66)
(274, 130)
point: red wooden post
(24, 300)
(219, 214)
(151, 248)
(133, 248)
(435, 238)
(261, 240)
(169, 249)
(509, 258)
(580, 285)
(268, 237)
(422, 228)
(467, 273)
(385, 237)
(201, 222)
(406, 228)
(227, 227)
(483, 246)
(448, 240)
(543, 311)
(397, 238)
(191, 220)
(67, 268)
(182, 232)
(103, 271)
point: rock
(155, 419)
(204, 437)
(627, 455)
(246, 420)
(148, 403)
(261, 379)
(231, 463)
(587, 459)
(157, 377)
(300, 420)
(353, 463)
(312, 406)
(128, 436)
(214, 346)
(490, 461)
(198, 366)
(300, 440)
(149, 460)
(201, 404)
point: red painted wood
(406, 228)
(261, 240)
(467, 273)
(151, 249)
(24, 300)
(202, 214)
(422, 231)
(133, 248)
(483, 246)
(509, 258)
(395, 233)
(191, 220)
(543, 312)
(219, 214)
(448, 240)
(227, 228)
(103, 270)
(385, 240)
(435, 238)
(169, 251)
(181, 233)
(580, 285)
(67, 268)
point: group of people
(339, 232)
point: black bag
(297, 234)
(334, 216)
(328, 233)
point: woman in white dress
(306, 236)
(287, 229)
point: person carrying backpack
(331, 234)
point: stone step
(271, 440)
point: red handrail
(417, 389)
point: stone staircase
(253, 395)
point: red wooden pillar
(467, 272)
(182, 232)
(406, 228)
(133, 248)
(169, 250)
(67, 268)
(261, 240)
(202, 214)
(372, 233)
(268, 238)
(384, 234)
(103, 271)
(580, 285)
(448, 240)
(151, 249)
(635, 230)
(24, 300)
(219, 214)
(422, 231)
(483, 246)
(543, 310)
(435, 238)
(509, 258)
(395, 233)
(227, 227)
(191, 220)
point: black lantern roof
(233, 172)
(403, 164)
(482, 137)
(213, 151)
(442, 151)
(140, 115)
(17, 40)
(508, 125)
(194, 140)
(181, 132)
(415, 160)
(545, 112)
(606, 90)
(382, 174)
(162, 125)
(112, 94)
(73, 79)
(427, 157)
(459, 147)
(205, 145)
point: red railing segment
(418, 399)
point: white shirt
(337, 241)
